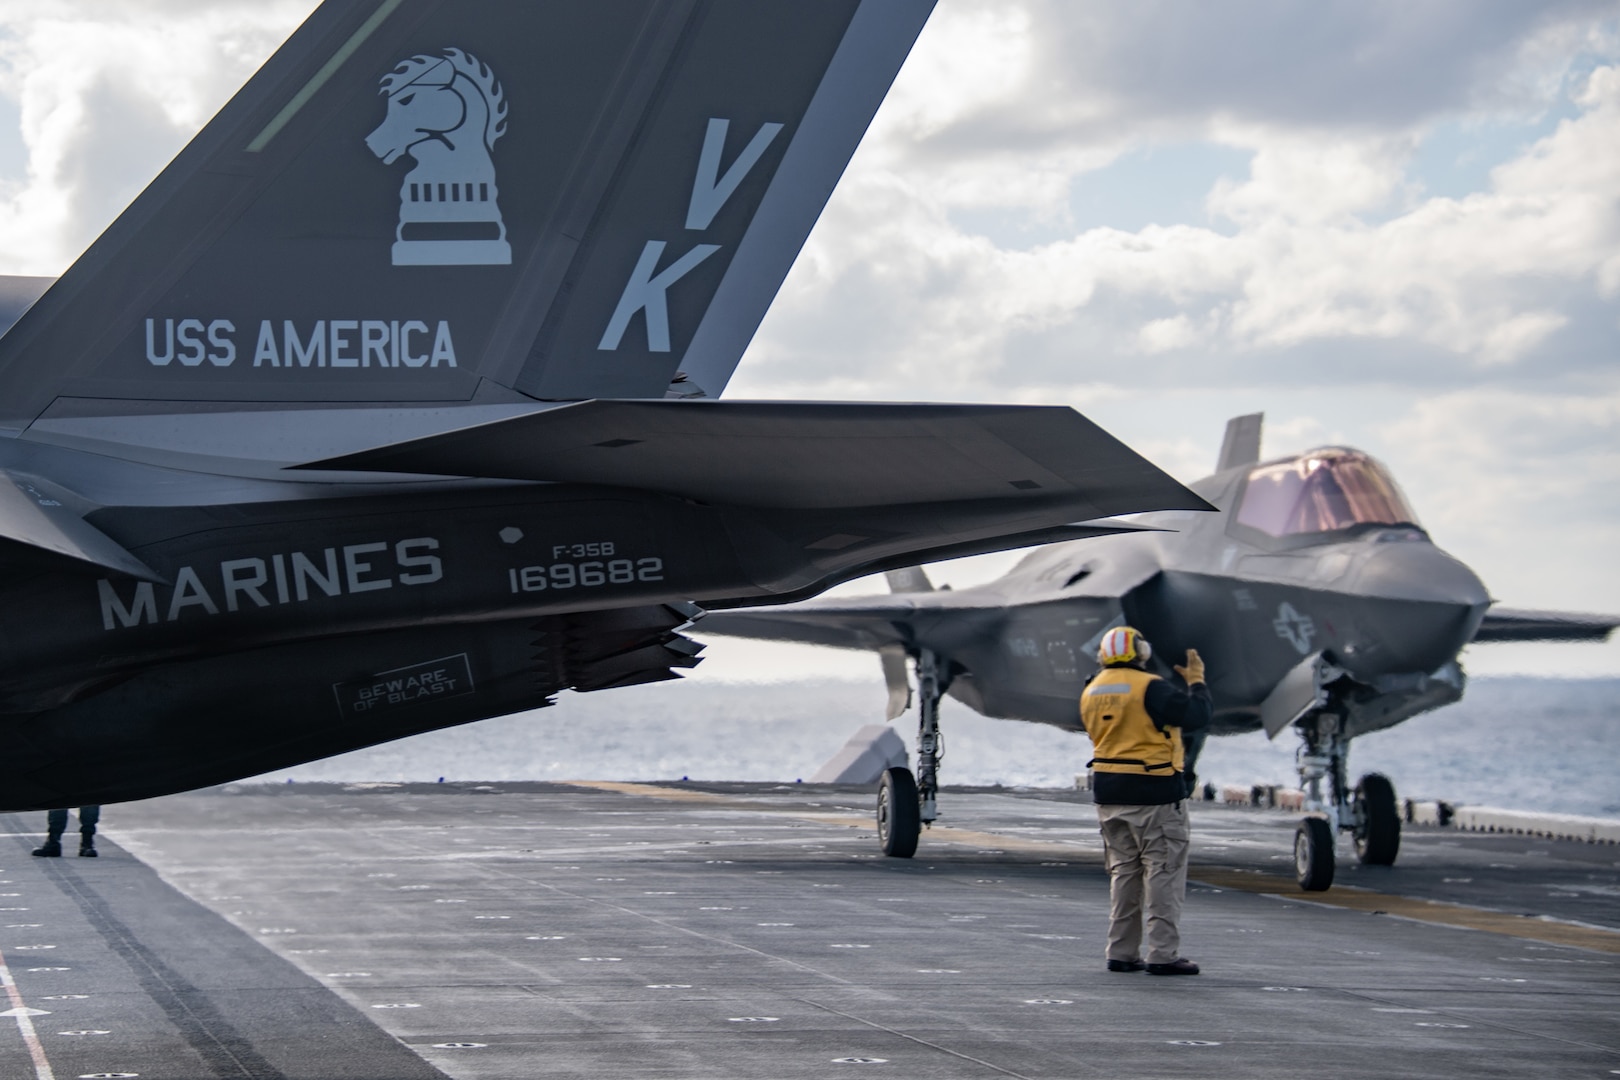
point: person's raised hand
(1194, 671)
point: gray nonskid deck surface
(132, 978)
(525, 930)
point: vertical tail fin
(1241, 446)
(910, 579)
(437, 200)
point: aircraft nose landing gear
(1369, 814)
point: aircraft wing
(859, 622)
(856, 487)
(803, 455)
(1510, 624)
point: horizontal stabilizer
(803, 456)
(857, 622)
(1508, 624)
(30, 515)
(834, 629)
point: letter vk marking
(711, 190)
(710, 194)
(644, 291)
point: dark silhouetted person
(56, 825)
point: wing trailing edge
(807, 456)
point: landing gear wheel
(1313, 855)
(899, 818)
(1378, 838)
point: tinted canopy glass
(1322, 491)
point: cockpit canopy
(1322, 491)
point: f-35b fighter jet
(1316, 598)
(389, 405)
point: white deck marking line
(25, 1023)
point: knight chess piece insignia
(446, 112)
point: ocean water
(1530, 744)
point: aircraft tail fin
(439, 201)
(1241, 446)
(17, 295)
(909, 579)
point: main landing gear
(907, 802)
(1368, 813)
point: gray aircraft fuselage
(1390, 607)
(1376, 599)
(294, 620)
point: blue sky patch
(1457, 156)
(1155, 185)
(1152, 185)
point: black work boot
(51, 848)
(1182, 966)
(87, 845)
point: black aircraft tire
(1378, 840)
(1313, 855)
(899, 815)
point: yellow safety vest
(1123, 736)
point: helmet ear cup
(1123, 645)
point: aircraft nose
(1416, 570)
(1423, 606)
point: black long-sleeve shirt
(1191, 710)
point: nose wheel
(1313, 854)
(1378, 821)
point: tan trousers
(1146, 848)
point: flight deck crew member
(1136, 722)
(56, 825)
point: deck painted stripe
(946, 833)
(25, 1023)
(1528, 927)
(1459, 916)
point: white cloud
(1332, 243)
(108, 93)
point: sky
(1384, 224)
